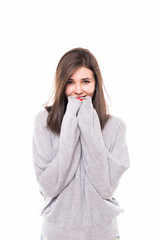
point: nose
(78, 89)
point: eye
(69, 82)
(86, 81)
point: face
(81, 83)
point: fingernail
(79, 99)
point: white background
(124, 36)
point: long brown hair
(69, 62)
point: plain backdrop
(124, 36)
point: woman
(79, 154)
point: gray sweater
(78, 173)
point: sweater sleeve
(104, 167)
(54, 172)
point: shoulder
(40, 125)
(112, 126)
(40, 118)
(115, 122)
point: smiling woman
(79, 154)
(77, 74)
(81, 83)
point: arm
(53, 173)
(104, 168)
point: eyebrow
(81, 79)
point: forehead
(82, 72)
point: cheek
(68, 90)
(90, 89)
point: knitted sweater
(78, 173)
